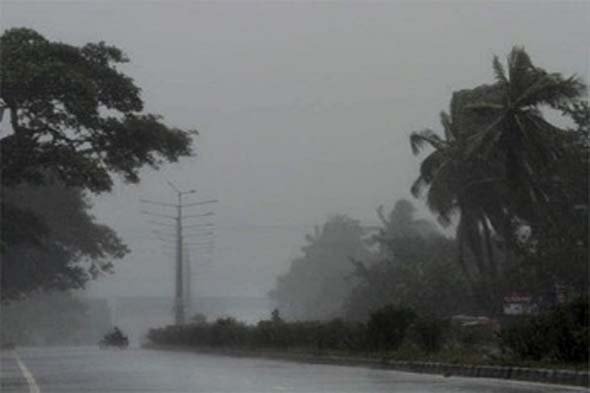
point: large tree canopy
(74, 112)
(502, 165)
(75, 121)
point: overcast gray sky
(304, 109)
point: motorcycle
(114, 339)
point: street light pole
(179, 298)
(178, 304)
(181, 290)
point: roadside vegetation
(513, 188)
(556, 339)
(506, 174)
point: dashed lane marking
(33, 387)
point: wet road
(59, 370)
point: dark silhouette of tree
(472, 190)
(76, 120)
(70, 250)
(317, 283)
(415, 268)
(518, 134)
(74, 113)
(502, 166)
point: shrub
(387, 327)
(429, 333)
(560, 334)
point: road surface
(85, 369)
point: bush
(560, 334)
(228, 332)
(387, 327)
(429, 333)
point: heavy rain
(294, 196)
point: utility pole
(179, 291)
(187, 283)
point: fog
(304, 111)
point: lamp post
(182, 290)
(179, 316)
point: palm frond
(448, 127)
(485, 107)
(431, 164)
(418, 139)
(552, 90)
(519, 66)
(499, 71)
(483, 141)
(441, 196)
(545, 142)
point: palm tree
(469, 188)
(517, 133)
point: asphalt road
(60, 370)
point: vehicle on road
(114, 339)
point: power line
(182, 265)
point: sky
(303, 108)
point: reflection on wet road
(60, 370)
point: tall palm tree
(518, 134)
(469, 188)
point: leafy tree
(318, 282)
(76, 120)
(400, 224)
(416, 268)
(75, 249)
(73, 112)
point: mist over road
(87, 369)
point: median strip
(33, 387)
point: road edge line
(33, 387)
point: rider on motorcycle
(115, 338)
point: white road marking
(33, 387)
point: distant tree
(318, 282)
(199, 319)
(399, 225)
(75, 248)
(416, 268)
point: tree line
(512, 184)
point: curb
(560, 377)
(548, 376)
